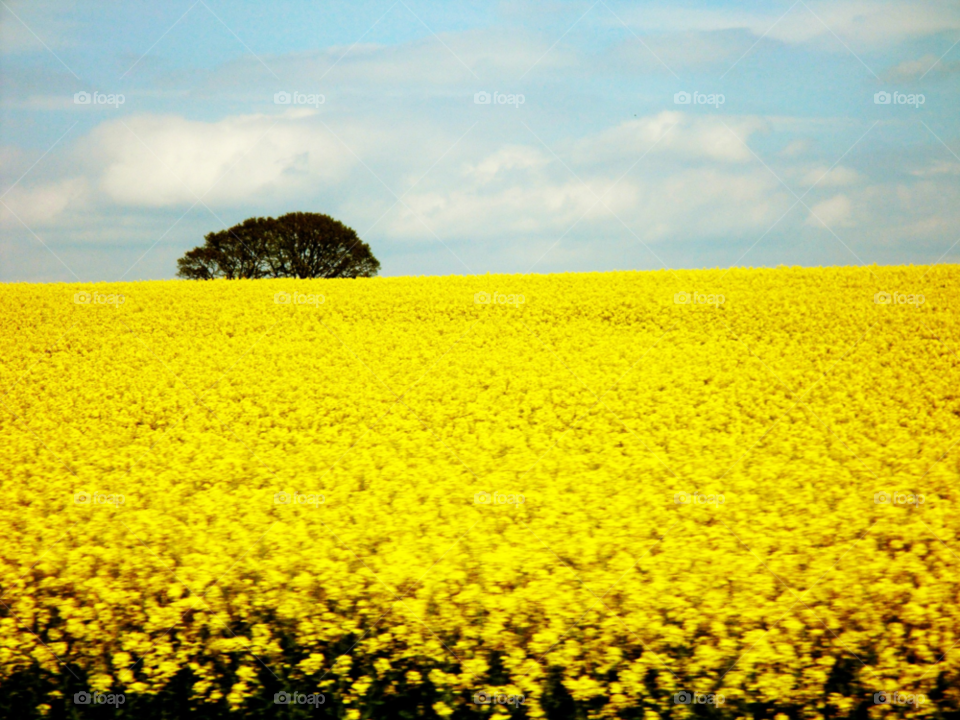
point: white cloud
(474, 57)
(41, 204)
(833, 213)
(860, 22)
(34, 26)
(702, 203)
(167, 160)
(939, 167)
(693, 137)
(510, 157)
(912, 69)
(924, 210)
(696, 183)
(825, 177)
(795, 148)
(699, 182)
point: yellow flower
(621, 485)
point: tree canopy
(300, 245)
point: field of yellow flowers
(598, 495)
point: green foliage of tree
(300, 245)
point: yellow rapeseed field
(597, 490)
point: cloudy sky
(461, 138)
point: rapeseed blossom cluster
(603, 495)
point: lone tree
(300, 245)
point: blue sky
(588, 163)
